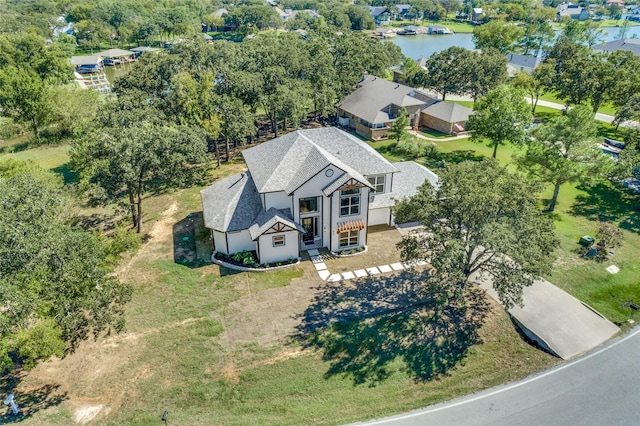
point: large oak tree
(481, 220)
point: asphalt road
(599, 388)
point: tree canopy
(481, 220)
(55, 284)
(127, 161)
(501, 116)
(565, 150)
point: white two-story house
(308, 189)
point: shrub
(244, 257)
(414, 148)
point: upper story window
(378, 183)
(308, 205)
(350, 202)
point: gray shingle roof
(405, 184)
(231, 204)
(372, 99)
(266, 219)
(377, 10)
(285, 163)
(450, 112)
(523, 60)
(630, 44)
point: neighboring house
(373, 107)
(284, 15)
(403, 11)
(312, 13)
(380, 15)
(476, 14)
(618, 2)
(524, 63)
(307, 189)
(446, 117)
(630, 44)
(571, 11)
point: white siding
(387, 181)
(313, 188)
(335, 217)
(220, 242)
(239, 241)
(379, 216)
(270, 254)
(279, 200)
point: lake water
(425, 45)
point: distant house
(618, 2)
(380, 15)
(446, 117)
(305, 190)
(524, 63)
(403, 11)
(630, 44)
(312, 13)
(571, 11)
(373, 107)
(476, 14)
(284, 15)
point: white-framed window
(308, 205)
(278, 240)
(350, 202)
(349, 238)
(378, 183)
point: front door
(311, 234)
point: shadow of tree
(191, 243)
(30, 402)
(370, 328)
(68, 175)
(609, 203)
(459, 156)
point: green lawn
(48, 157)
(604, 109)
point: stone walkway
(321, 267)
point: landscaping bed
(248, 260)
